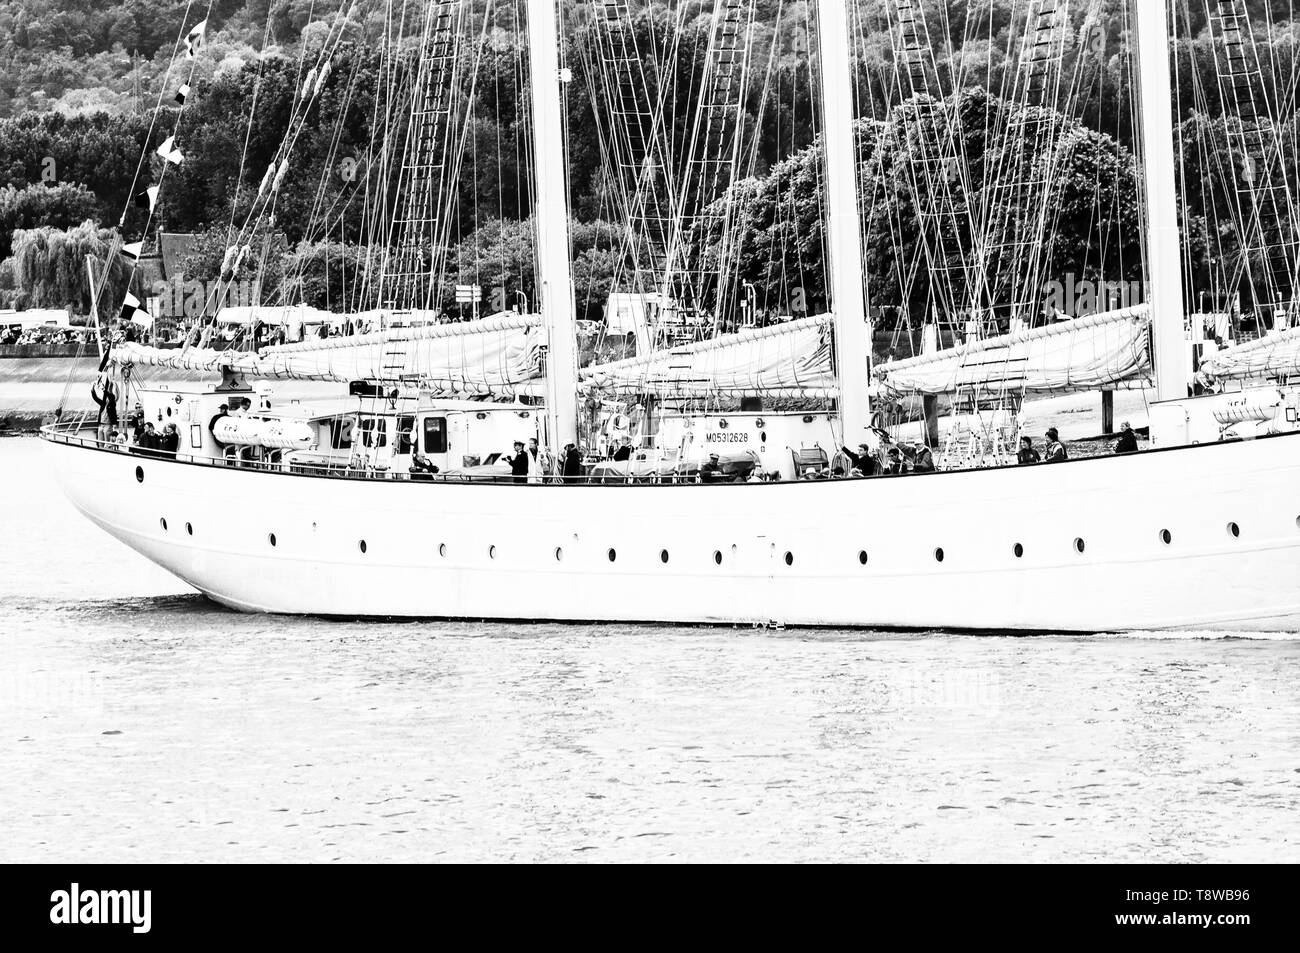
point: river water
(138, 722)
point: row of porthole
(1018, 550)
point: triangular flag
(133, 250)
(169, 151)
(194, 40)
(148, 198)
(183, 93)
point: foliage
(49, 267)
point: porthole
(139, 478)
(862, 557)
(271, 538)
(442, 550)
(189, 529)
(663, 555)
(1234, 530)
(559, 554)
(1079, 545)
(1018, 550)
(717, 557)
(612, 555)
(492, 552)
(362, 546)
(163, 524)
(1166, 537)
(789, 559)
(938, 555)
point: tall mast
(1164, 263)
(843, 229)
(555, 279)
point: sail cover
(794, 358)
(1098, 350)
(1271, 356)
(475, 357)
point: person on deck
(571, 468)
(894, 462)
(222, 411)
(1056, 452)
(149, 438)
(538, 462)
(922, 459)
(1027, 453)
(103, 394)
(170, 441)
(864, 464)
(1128, 441)
(711, 471)
(519, 463)
(624, 451)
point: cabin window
(341, 433)
(405, 434)
(374, 431)
(435, 434)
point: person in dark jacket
(571, 466)
(863, 462)
(222, 411)
(106, 398)
(1128, 441)
(170, 441)
(1027, 453)
(149, 438)
(711, 472)
(519, 463)
(624, 452)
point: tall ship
(722, 466)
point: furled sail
(1098, 350)
(792, 358)
(1271, 356)
(493, 354)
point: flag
(194, 40)
(131, 311)
(182, 94)
(169, 151)
(148, 198)
(133, 250)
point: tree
(58, 206)
(50, 268)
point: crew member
(103, 394)
(519, 463)
(1027, 453)
(711, 472)
(1128, 441)
(222, 411)
(863, 462)
(1056, 452)
(571, 468)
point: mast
(555, 279)
(843, 229)
(1164, 264)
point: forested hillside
(80, 79)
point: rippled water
(140, 722)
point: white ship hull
(457, 550)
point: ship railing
(82, 435)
